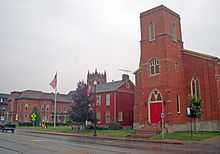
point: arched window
(151, 32)
(47, 107)
(195, 87)
(26, 107)
(155, 96)
(154, 66)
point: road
(27, 143)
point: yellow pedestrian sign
(33, 117)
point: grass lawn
(67, 129)
(186, 136)
(110, 133)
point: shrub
(114, 126)
(25, 124)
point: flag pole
(55, 108)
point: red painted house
(168, 74)
(114, 102)
(21, 104)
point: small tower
(99, 77)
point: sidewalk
(213, 140)
(165, 141)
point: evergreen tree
(80, 111)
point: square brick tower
(159, 79)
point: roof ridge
(201, 54)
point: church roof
(39, 95)
(201, 55)
(109, 86)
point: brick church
(168, 74)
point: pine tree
(80, 111)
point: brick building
(168, 74)
(21, 104)
(3, 106)
(115, 102)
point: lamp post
(95, 121)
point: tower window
(195, 87)
(174, 31)
(154, 67)
(151, 32)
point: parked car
(7, 126)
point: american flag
(53, 83)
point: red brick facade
(119, 108)
(22, 103)
(166, 71)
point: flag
(53, 83)
(88, 90)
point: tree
(195, 108)
(35, 116)
(80, 111)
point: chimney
(125, 77)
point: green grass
(186, 136)
(59, 129)
(110, 133)
(104, 133)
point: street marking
(40, 140)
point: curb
(109, 138)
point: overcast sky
(40, 37)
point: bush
(114, 126)
(25, 124)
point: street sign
(162, 115)
(33, 117)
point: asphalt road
(27, 143)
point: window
(1, 100)
(174, 31)
(195, 87)
(46, 118)
(42, 107)
(26, 107)
(98, 116)
(154, 67)
(151, 32)
(98, 100)
(107, 117)
(47, 108)
(178, 104)
(120, 116)
(155, 96)
(107, 100)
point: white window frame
(196, 88)
(120, 116)
(26, 107)
(154, 62)
(107, 99)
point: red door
(155, 112)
